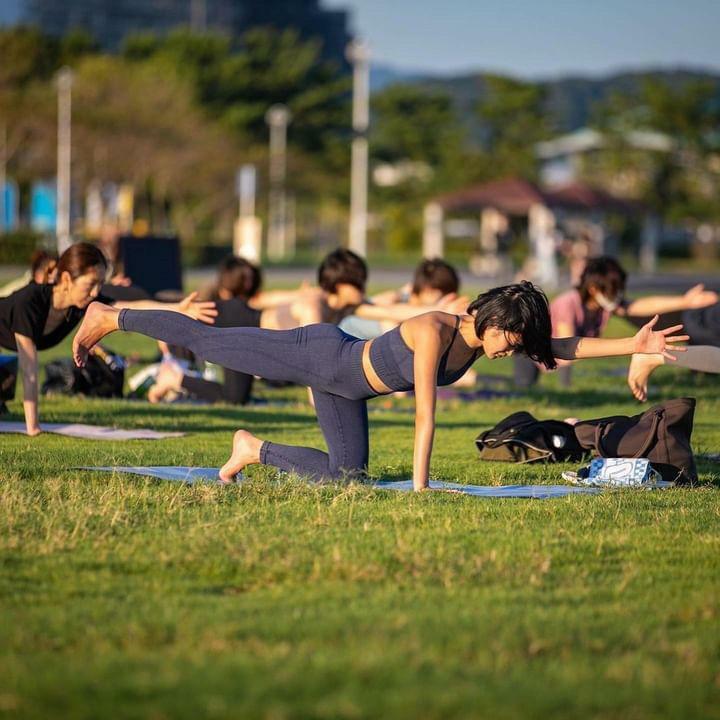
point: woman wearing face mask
(39, 316)
(585, 311)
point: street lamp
(359, 55)
(277, 117)
(64, 158)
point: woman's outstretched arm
(695, 297)
(203, 310)
(646, 340)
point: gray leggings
(322, 357)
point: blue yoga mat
(191, 475)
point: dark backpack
(102, 376)
(521, 438)
(660, 434)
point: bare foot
(641, 367)
(169, 379)
(246, 451)
(99, 321)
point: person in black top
(39, 316)
(238, 280)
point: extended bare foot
(641, 367)
(99, 321)
(169, 379)
(246, 451)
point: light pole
(277, 117)
(359, 55)
(64, 158)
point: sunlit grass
(127, 597)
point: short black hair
(522, 309)
(239, 277)
(342, 266)
(435, 274)
(606, 274)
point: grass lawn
(131, 598)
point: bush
(17, 246)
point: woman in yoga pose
(39, 316)
(343, 372)
(585, 311)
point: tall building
(110, 21)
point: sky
(538, 38)
(9, 11)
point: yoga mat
(90, 432)
(192, 475)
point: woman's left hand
(205, 311)
(649, 341)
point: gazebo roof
(514, 196)
(579, 196)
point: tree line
(176, 115)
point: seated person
(237, 282)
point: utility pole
(359, 55)
(277, 117)
(64, 158)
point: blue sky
(541, 38)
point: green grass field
(131, 598)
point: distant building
(111, 21)
(586, 154)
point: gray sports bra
(393, 361)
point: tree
(410, 123)
(237, 86)
(137, 123)
(513, 120)
(680, 180)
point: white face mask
(605, 304)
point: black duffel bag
(521, 438)
(660, 434)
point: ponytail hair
(521, 309)
(79, 259)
